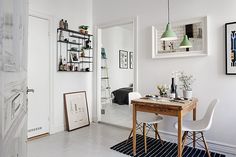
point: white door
(38, 76)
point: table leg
(180, 134)
(134, 130)
(194, 133)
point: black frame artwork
(123, 59)
(131, 60)
(230, 48)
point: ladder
(105, 84)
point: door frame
(51, 93)
(97, 61)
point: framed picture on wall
(74, 57)
(76, 110)
(131, 60)
(230, 48)
(123, 59)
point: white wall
(76, 12)
(115, 39)
(209, 71)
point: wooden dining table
(165, 106)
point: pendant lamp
(169, 34)
(185, 43)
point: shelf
(74, 71)
(68, 42)
(105, 78)
(72, 31)
(75, 50)
(78, 37)
(80, 62)
(85, 57)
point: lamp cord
(168, 11)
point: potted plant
(83, 29)
(163, 90)
(186, 84)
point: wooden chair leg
(144, 136)
(184, 139)
(155, 128)
(131, 132)
(205, 144)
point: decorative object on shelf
(76, 108)
(185, 43)
(192, 45)
(230, 48)
(186, 84)
(131, 60)
(75, 50)
(61, 24)
(74, 57)
(103, 53)
(163, 90)
(66, 24)
(123, 59)
(169, 34)
(83, 29)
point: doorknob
(29, 90)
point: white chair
(145, 119)
(199, 126)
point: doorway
(116, 71)
(38, 76)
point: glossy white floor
(117, 114)
(92, 141)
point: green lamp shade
(185, 43)
(169, 34)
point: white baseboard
(213, 145)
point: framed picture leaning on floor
(76, 110)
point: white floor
(117, 114)
(92, 141)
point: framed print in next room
(123, 59)
(76, 109)
(131, 60)
(230, 48)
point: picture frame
(74, 57)
(230, 48)
(131, 60)
(76, 110)
(123, 59)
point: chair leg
(156, 133)
(131, 132)
(144, 136)
(184, 139)
(155, 128)
(205, 144)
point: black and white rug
(155, 149)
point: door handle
(29, 90)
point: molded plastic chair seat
(149, 118)
(199, 126)
(145, 119)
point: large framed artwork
(123, 59)
(76, 109)
(230, 48)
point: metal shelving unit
(73, 53)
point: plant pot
(187, 94)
